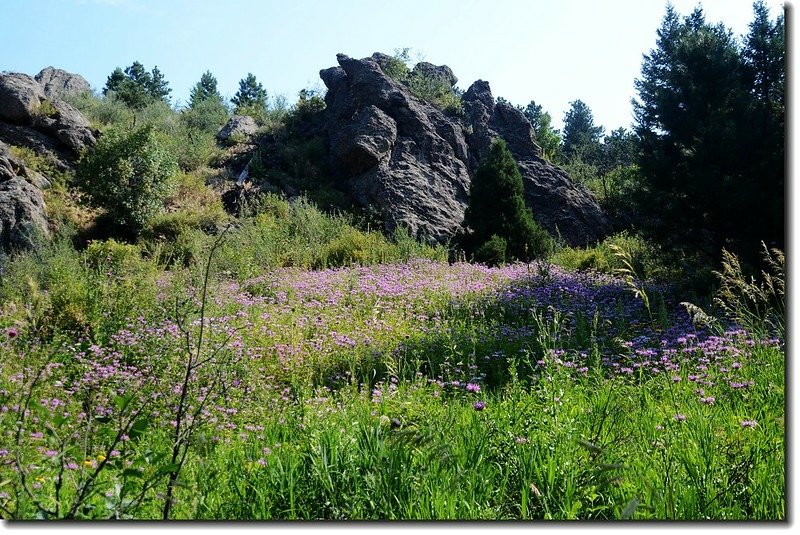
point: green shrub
(645, 258)
(128, 175)
(493, 251)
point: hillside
(394, 300)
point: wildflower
(708, 400)
(101, 457)
(748, 423)
(51, 453)
(114, 453)
(472, 387)
(12, 332)
(521, 440)
(677, 379)
(479, 405)
(679, 417)
(72, 465)
(262, 462)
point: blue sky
(551, 51)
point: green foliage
(204, 91)
(581, 136)
(429, 88)
(493, 251)
(308, 114)
(497, 207)
(547, 137)
(128, 175)
(136, 87)
(251, 98)
(208, 115)
(87, 294)
(759, 306)
(645, 258)
(712, 136)
(278, 233)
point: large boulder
(58, 83)
(22, 210)
(239, 128)
(396, 152)
(414, 163)
(50, 124)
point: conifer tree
(204, 90)
(497, 212)
(251, 95)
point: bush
(493, 251)
(128, 175)
(497, 208)
(645, 257)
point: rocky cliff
(33, 116)
(404, 156)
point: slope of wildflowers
(396, 391)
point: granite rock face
(58, 83)
(22, 210)
(29, 118)
(238, 128)
(414, 163)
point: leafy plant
(128, 175)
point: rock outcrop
(239, 128)
(58, 83)
(29, 118)
(22, 208)
(412, 161)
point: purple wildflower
(479, 405)
(472, 387)
(748, 423)
(679, 417)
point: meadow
(391, 388)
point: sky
(552, 52)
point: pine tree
(204, 90)
(207, 111)
(497, 209)
(547, 137)
(581, 136)
(710, 158)
(137, 87)
(251, 96)
(158, 87)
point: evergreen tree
(708, 180)
(251, 96)
(547, 137)
(581, 136)
(158, 87)
(137, 87)
(204, 90)
(497, 213)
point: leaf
(167, 468)
(630, 508)
(133, 472)
(138, 428)
(594, 448)
(122, 401)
